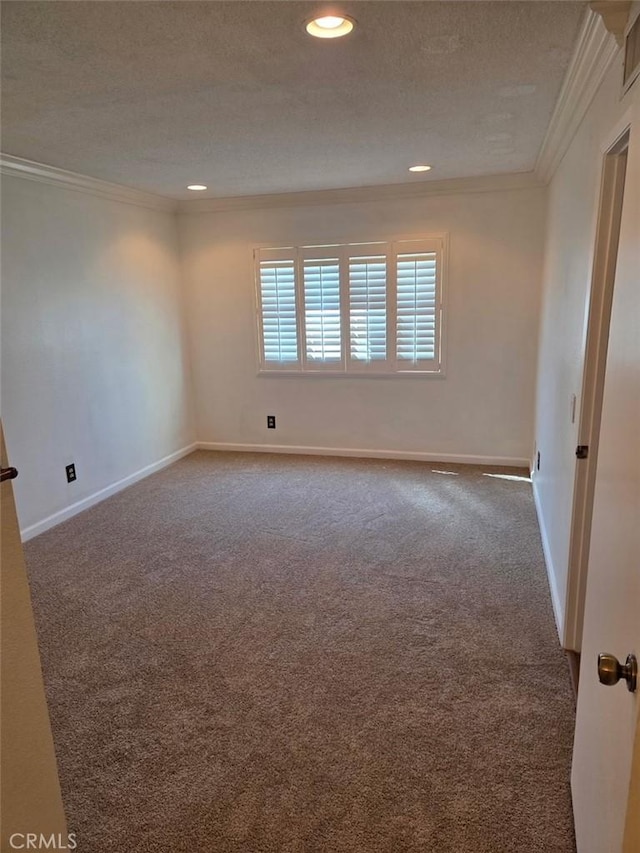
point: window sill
(342, 374)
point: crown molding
(32, 171)
(351, 195)
(614, 14)
(19, 168)
(595, 50)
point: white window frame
(348, 367)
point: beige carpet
(296, 654)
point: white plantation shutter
(417, 308)
(368, 308)
(278, 304)
(322, 321)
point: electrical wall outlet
(271, 421)
(71, 473)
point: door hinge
(582, 451)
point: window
(373, 308)
(278, 300)
(322, 324)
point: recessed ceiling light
(419, 168)
(196, 187)
(330, 26)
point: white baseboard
(551, 575)
(68, 512)
(416, 456)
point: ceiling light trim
(356, 195)
(18, 167)
(595, 50)
(346, 26)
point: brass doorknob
(610, 670)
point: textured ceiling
(156, 95)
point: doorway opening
(595, 360)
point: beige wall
(483, 409)
(571, 223)
(94, 369)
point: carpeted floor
(296, 654)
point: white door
(605, 776)
(31, 801)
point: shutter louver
(278, 300)
(416, 307)
(368, 308)
(321, 279)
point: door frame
(596, 337)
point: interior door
(605, 775)
(31, 801)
